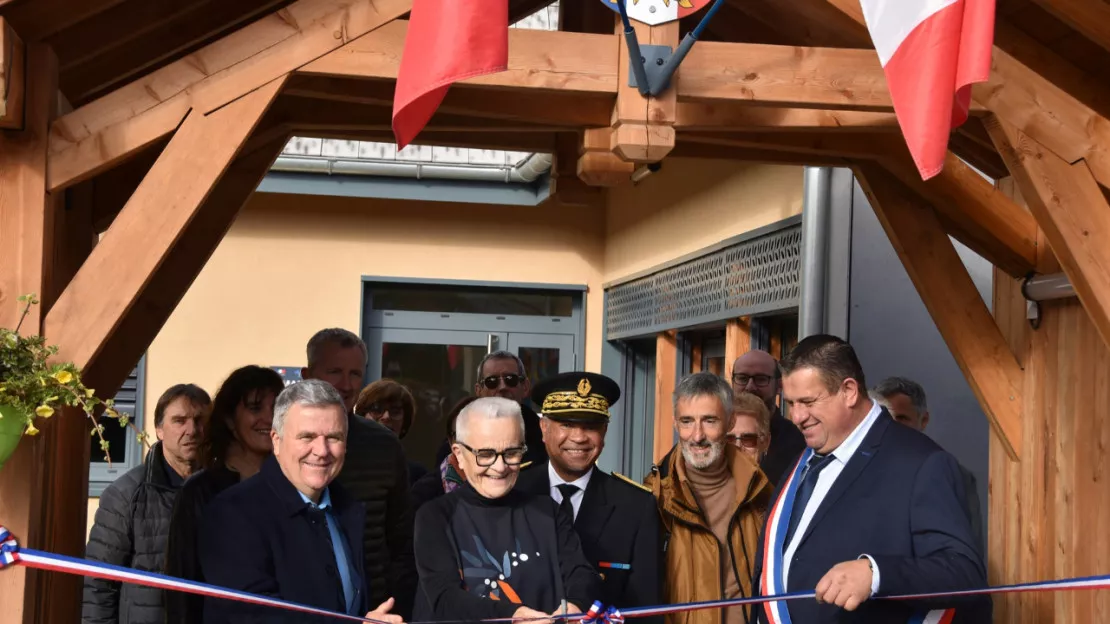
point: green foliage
(39, 387)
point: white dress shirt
(581, 482)
(825, 481)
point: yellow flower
(31, 430)
(45, 411)
(89, 392)
(63, 376)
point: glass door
(439, 367)
(544, 355)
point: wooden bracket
(1072, 211)
(953, 301)
(597, 164)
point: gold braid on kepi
(577, 397)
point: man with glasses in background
(758, 373)
(501, 374)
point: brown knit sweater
(715, 490)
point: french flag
(931, 51)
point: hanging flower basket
(33, 388)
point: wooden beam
(666, 369)
(643, 127)
(953, 301)
(1036, 106)
(692, 149)
(743, 117)
(40, 19)
(839, 145)
(597, 164)
(1072, 211)
(738, 341)
(538, 59)
(975, 212)
(11, 77)
(1090, 17)
(801, 77)
(27, 216)
(94, 136)
(566, 186)
(106, 290)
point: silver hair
(309, 393)
(488, 408)
(900, 385)
(703, 384)
(501, 355)
(344, 338)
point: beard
(701, 462)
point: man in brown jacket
(711, 499)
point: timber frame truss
(162, 165)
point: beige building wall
(293, 264)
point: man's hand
(846, 585)
(565, 609)
(382, 614)
(534, 617)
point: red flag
(447, 41)
(932, 51)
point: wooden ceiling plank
(567, 62)
(95, 71)
(742, 117)
(12, 79)
(213, 76)
(39, 19)
(953, 301)
(110, 282)
(1072, 211)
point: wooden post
(643, 127)
(666, 367)
(12, 79)
(738, 341)
(27, 214)
(954, 303)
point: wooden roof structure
(159, 117)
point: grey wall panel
(893, 334)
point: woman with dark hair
(391, 405)
(448, 474)
(236, 442)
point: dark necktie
(813, 468)
(567, 490)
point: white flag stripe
(652, 12)
(933, 617)
(891, 21)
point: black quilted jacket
(130, 529)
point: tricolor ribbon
(12, 554)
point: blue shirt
(338, 547)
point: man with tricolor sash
(870, 509)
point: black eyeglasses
(493, 381)
(760, 381)
(746, 440)
(488, 457)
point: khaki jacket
(692, 550)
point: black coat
(375, 473)
(130, 529)
(261, 537)
(617, 523)
(787, 443)
(899, 499)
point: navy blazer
(900, 499)
(259, 536)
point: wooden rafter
(953, 301)
(96, 135)
(1090, 17)
(1072, 211)
(110, 284)
(11, 77)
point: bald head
(757, 372)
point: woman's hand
(382, 614)
(535, 617)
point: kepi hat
(576, 397)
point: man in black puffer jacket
(132, 524)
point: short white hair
(488, 408)
(308, 393)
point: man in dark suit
(614, 517)
(871, 509)
(758, 373)
(289, 532)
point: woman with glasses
(391, 405)
(489, 551)
(751, 426)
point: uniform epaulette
(631, 482)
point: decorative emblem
(584, 387)
(655, 12)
